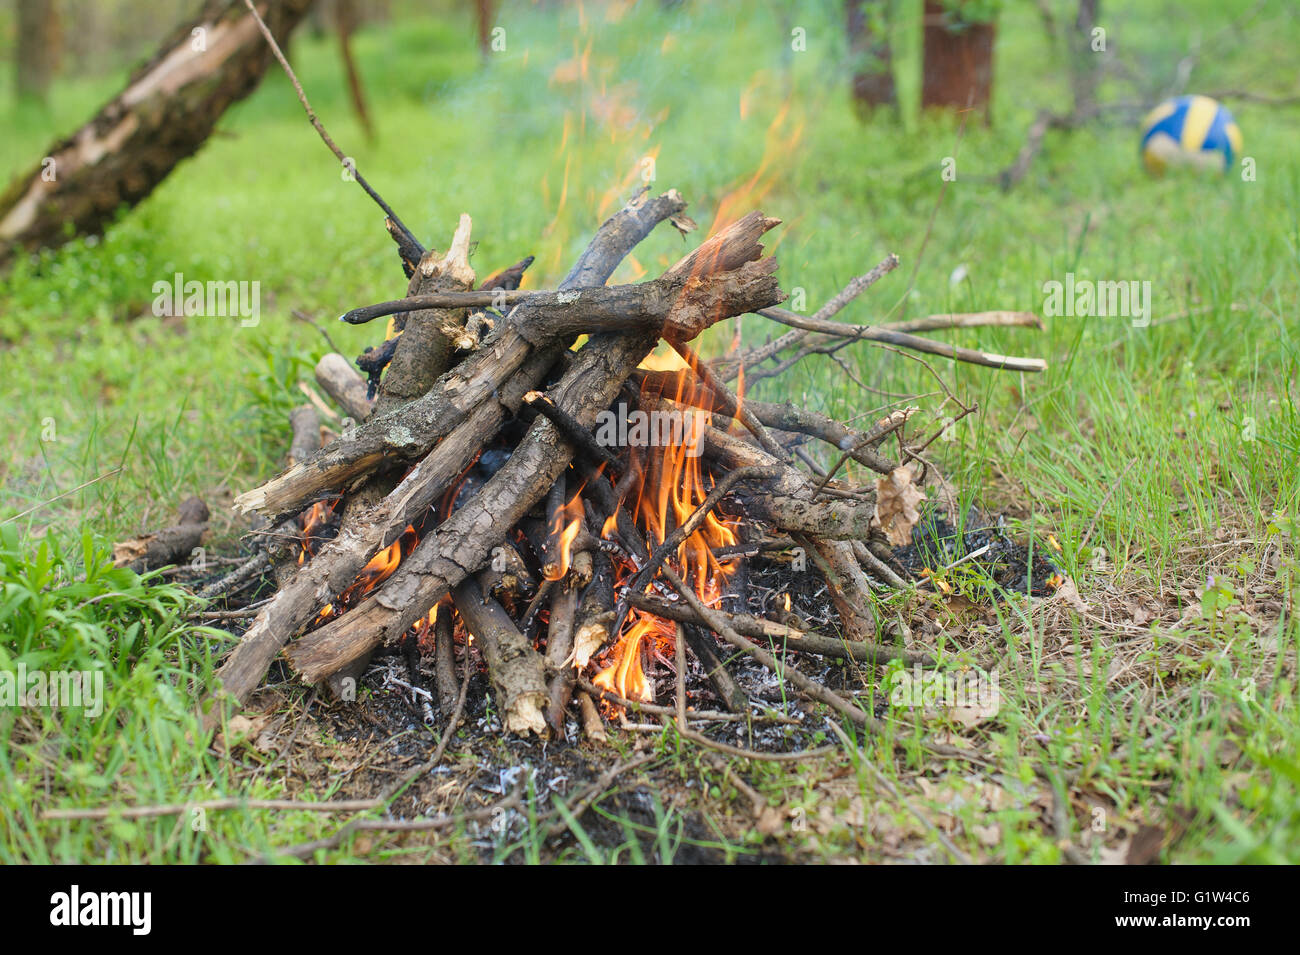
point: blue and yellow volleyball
(1190, 131)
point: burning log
(595, 615)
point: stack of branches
(471, 373)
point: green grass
(1155, 456)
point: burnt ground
(687, 803)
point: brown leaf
(1069, 594)
(683, 223)
(896, 500)
(1144, 846)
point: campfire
(555, 488)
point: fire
(672, 486)
(663, 358)
(557, 570)
(626, 676)
(779, 142)
(313, 524)
(381, 566)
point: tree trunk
(873, 76)
(1085, 64)
(957, 72)
(347, 17)
(165, 114)
(38, 49)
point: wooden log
(595, 613)
(508, 278)
(507, 575)
(284, 549)
(341, 381)
(304, 424)
(424, 350)
(559, 647)
(592, 725)
(724, 684)
(517, 671)
(850, 592)
(167, 545)
(444, 654)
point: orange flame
(672, 487)
(568, 522)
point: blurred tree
(166, 112)
(347, 18)
(1085, 65)
(37, 55)
(873, 75)
(957, 67)
(483, 15)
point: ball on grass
(1190, 131)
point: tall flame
(671, 487)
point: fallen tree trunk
(165, 114)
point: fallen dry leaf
(987, 836)
(1068, 593)
(896, 499)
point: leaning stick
(408, 239)
(828, 311)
